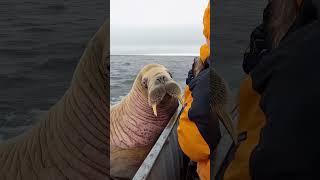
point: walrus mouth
(154, 105)
(158, 93)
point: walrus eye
(144, 82)
(170, 74)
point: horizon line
(159, 54)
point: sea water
(41, 43)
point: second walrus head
(158, 85)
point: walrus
(137, 121)
(71, 141)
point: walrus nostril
(162, 79)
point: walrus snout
(162, 79)
(156, 94)
(173, 89)
(163, 86)
(157, 87)
(157, 82)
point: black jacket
(288, 78)
(281, 136)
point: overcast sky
(150, 12)
(157, 24)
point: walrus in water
(71, 142)
(137, 121)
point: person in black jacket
(279, 119)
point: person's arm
(195, 134)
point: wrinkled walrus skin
(138, 120)
(71, 142)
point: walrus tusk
(154, 108)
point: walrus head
(158, 85)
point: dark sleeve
(288, 147)
(200, 111)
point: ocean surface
(40, 45)
(233, 22)
(124, 70)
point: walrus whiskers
(219, 101)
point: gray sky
(164, 12)
(163, 26)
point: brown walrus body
(138, 120)
(71, 142)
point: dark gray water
(40, 45)
(124, 70)
(233, 21)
